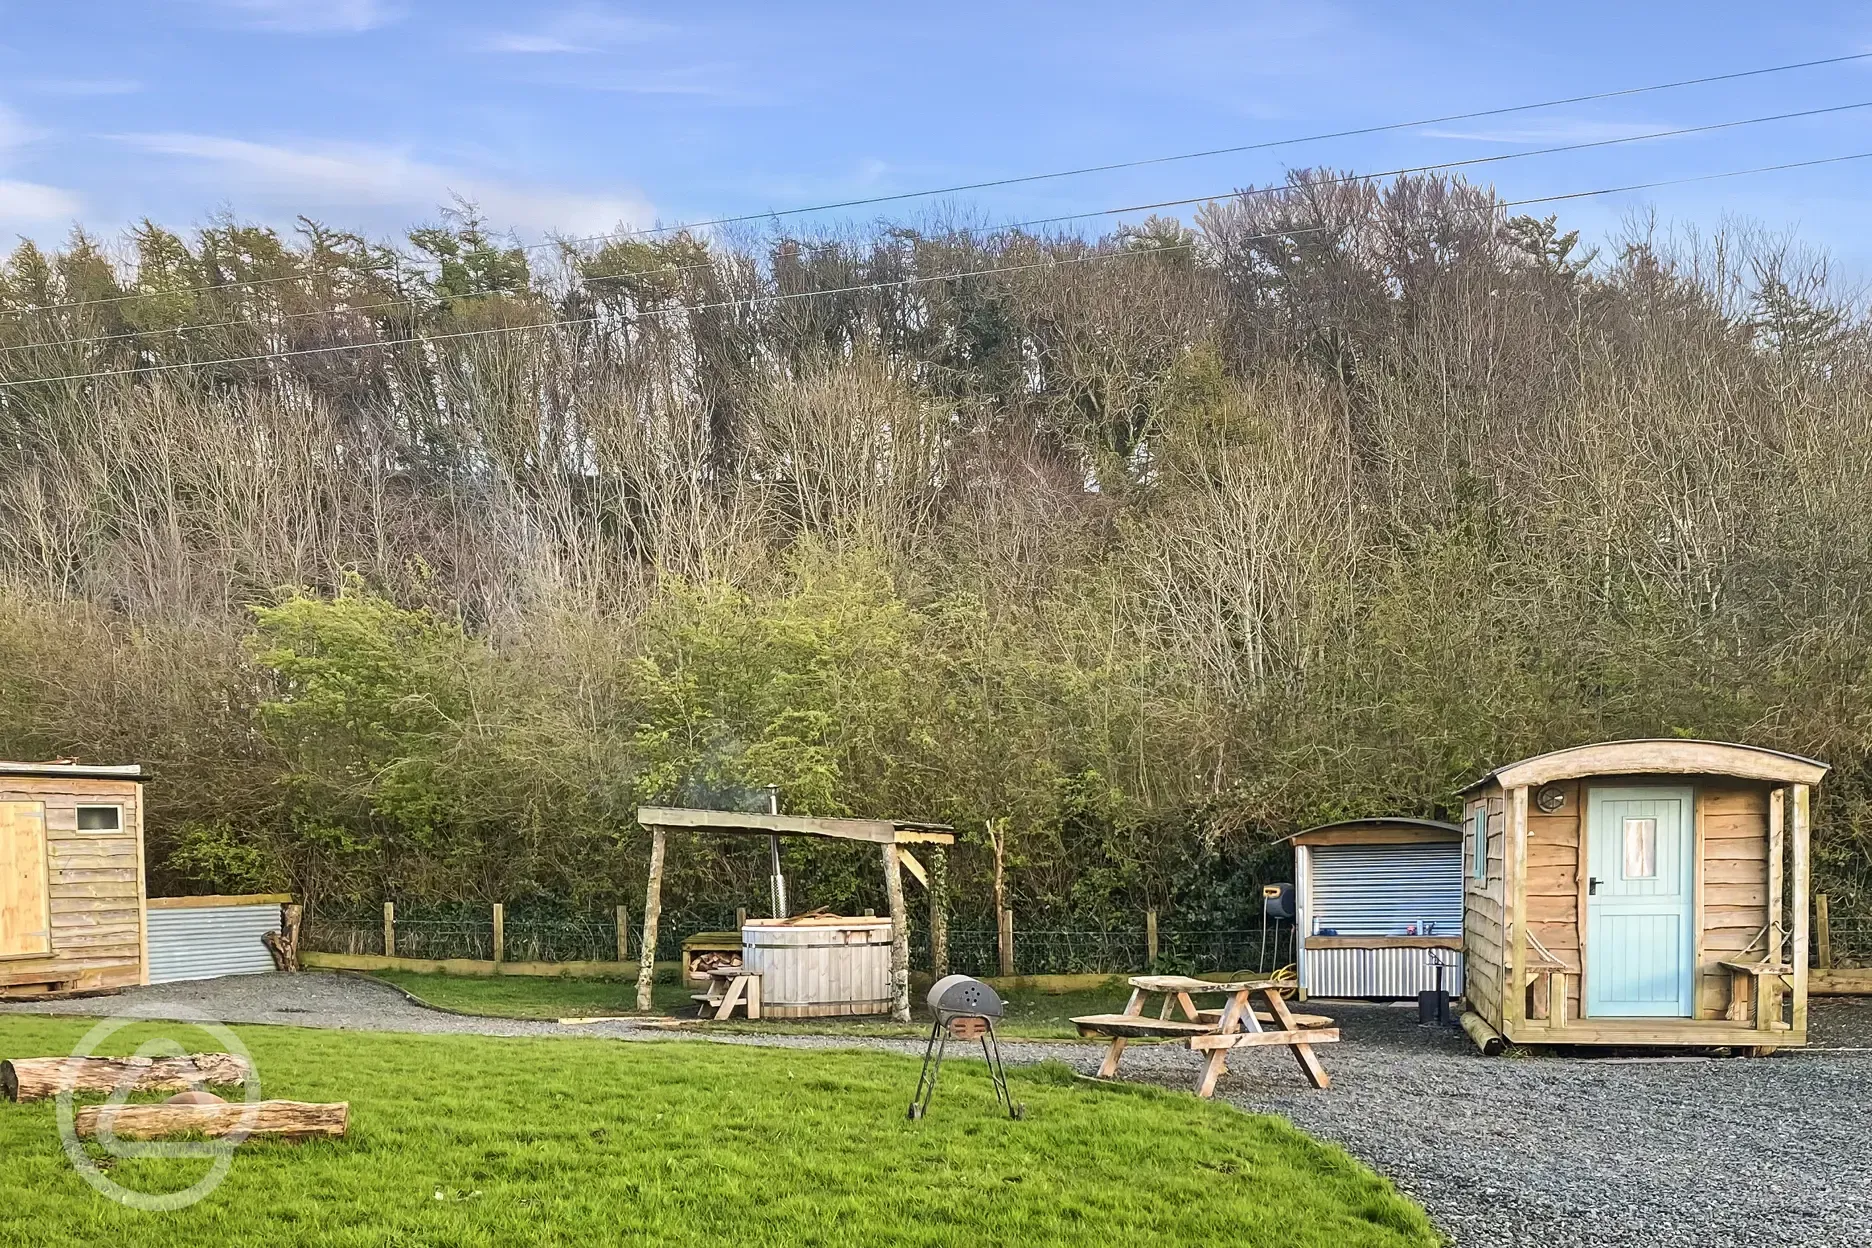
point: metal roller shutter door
(209, 941)
(1379, 890)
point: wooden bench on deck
(730, 986)
(1236, 1025)
(1755, 993)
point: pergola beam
(875, 831)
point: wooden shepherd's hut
(71, 878)
(1632, 893)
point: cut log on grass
(35, 1078)
(278, 1120)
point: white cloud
(577, 31)
(308, 17)
(353, 176)
(24, 203)
(15, 131)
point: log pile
(35, 1078)
(285, 1120)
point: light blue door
(1639, 907)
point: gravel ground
(1528, 1152)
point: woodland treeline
(1138, 552)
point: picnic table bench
(1236, 1025)
(729, 986)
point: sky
(585, 116)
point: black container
(1433, 1007)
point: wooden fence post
(740, 917)
(1823, 932)
(1150, 940)
(623, 933)
(500, 935)
(389, 929)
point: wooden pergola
(893, 836)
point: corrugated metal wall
(1379, 890)
(1379, 972)
(209, 941)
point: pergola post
(1802, 868)
(653, 910)
(900, 934)
(939, 911)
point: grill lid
(959, 995)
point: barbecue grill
(963, 1009)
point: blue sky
(580, 116)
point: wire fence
(468, 932)
(1850, 942)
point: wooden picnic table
(1238, 1024)
(729, 986)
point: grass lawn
(468, 1140)
(1032, 1015)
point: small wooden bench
(1234, 1026)
(730, 986)
(1754, 993)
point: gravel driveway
(1503, 1152)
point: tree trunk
(35, 1078)
(289, 1120)
(1004, 918)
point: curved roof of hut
(1656, 756)
(1400, 822)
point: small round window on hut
(1550, 798)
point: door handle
(1592, 886)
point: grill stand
(938, 1045)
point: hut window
(1478, 842)
(100, 818)
(1640, 849)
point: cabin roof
(1656, 756)
(86, 771)
(1413, 829)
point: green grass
(469, 1140)
(1031, 1015)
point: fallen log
(35, 1078)
(285, 1120)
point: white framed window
(101, 819)
(1478, 842)
(1640, 836)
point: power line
(1244, 147)
(762, 300)
(1469, 162)
(991, 184)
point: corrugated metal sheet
(1380, 890)
(1388, 973)
(209, 941)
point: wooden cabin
(1378, 906)
(71, 878)
(1630, 893)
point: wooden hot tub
(822, 966)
